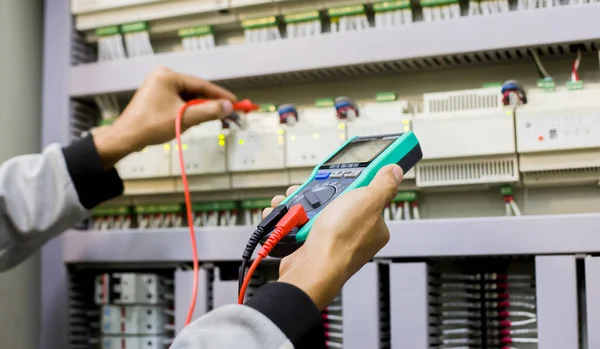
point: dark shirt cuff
(92, 182)
(293, 312)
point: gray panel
(592, 301)
(409, 313)
(325, 51)
(183, 295)
(556, 293)
(360, 309)
(526, 235)
(55, 128)
(224, 291)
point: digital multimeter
(352, 166)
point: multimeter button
(337, 174)
(352, 174)
(322, 175)
(312, 199)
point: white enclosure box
(316, 135)
(382, 118)
(204, 150)
(151, 162)
(467, 137)
(259, 147)
(558, 136)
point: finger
(212, 110)
(195, 86)
(277, 200)
(291, 190)
(384, 187)
(266, 212)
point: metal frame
(416, 41)
(525, 235)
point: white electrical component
(128, 288)
(377, 118)
(137, 342)
(204, 150)
(258, 147)
(558, 136)
(316, 135)
(136, 320)
(151, 162)
(467, 138)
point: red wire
(188, 206)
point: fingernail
(398, 173)
(227, 107)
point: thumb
(384, 187)
(213, 110)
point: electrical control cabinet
(204, 150)
(316, 135)
(128, 288)
(151, 162)
(258, 147)
(136, 320)
(138, 342)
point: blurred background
(493, 232)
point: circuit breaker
(258, 147)
(558, 135)
(204, 150)
(151, 162)
(136, 319)
(143, 342)
(128, 288)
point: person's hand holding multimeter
(344, 233)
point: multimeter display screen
(364, 151)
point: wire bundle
(524, 5)
(333, 323)
(300, 25)
(137, 39)
(197, 38)
(348, 18)
(439, 10)
(392, 13)
(261, 30)
(575, 68)
(405, 206)
(110, 44)
(480, 310)
(510, 206)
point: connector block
(302, 17)
(256, 203)
(324, 103)
(262, 22)
(111, 211)
(157, 209)
(195, 31)
(386, 6)
(267, 108)
(135, 27)
(409, 196)
(214, 206)
(344, 11)
(429, 3)
(506, 190)
(108, 31)
(546, 84)
(386, 97)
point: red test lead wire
(295, 217)
(245, 106)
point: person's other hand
(149, 118)
(344, 237)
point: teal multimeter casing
(352, 166)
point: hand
(149, 118)
(345, 236)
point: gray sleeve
(42, 195)
(278, 316)
(232, 327)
